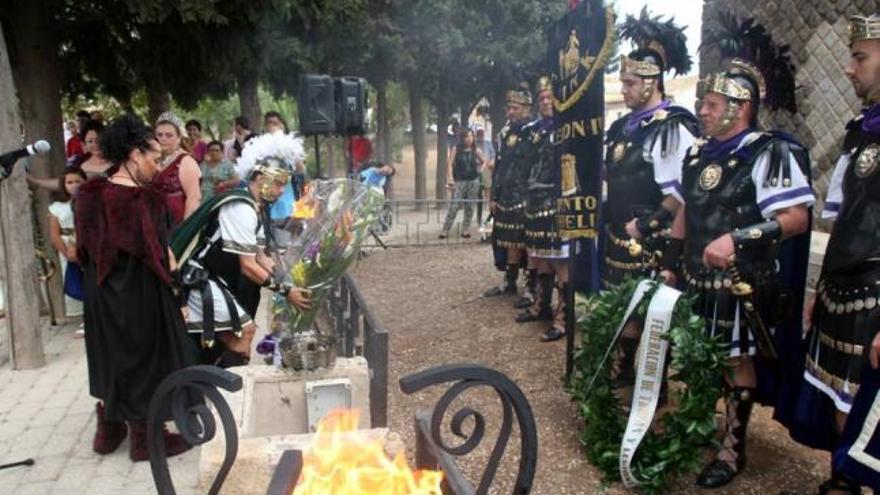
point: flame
(343, 461)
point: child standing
(63, 240)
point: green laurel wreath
(697, 361)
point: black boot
(528, 297)
(508, 287)
(738, 404)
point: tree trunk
(497, 110)
(383, 134)
(20, 266)
(248, 98)
(158, 100)
(33, 49)
(417, 117)
(442, 145)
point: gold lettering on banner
(579, 129)
(578, 217)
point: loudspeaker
(317, 111)
(351, 105)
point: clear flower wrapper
(333, 218)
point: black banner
(579, 46)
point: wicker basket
(307, 351)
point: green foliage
(697, 361)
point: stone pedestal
(271, 416)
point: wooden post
(22, 299)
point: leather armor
(856, 236)
(516, 155)
(632, 189)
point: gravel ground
(428, 299)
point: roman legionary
(516, 155)
(839, 403)
(744, 192)
(645, 149)
(224, 252)
(548, 255)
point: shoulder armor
(667, 127)
(779, 145)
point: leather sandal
(527, 316)
(552, 334)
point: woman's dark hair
(61, 180)
(125, 134)
(216, 143)
(90, 125)
(194, 123)
(242, 122)
(273, 113)
(463, 134)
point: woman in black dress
(136, 331)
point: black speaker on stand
(351, 109)
(317, 110)
(332, 106)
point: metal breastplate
(856, 235)
(632, 188)
(516, 156)
(544, 173)
(720, 196)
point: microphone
(7, 160)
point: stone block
(257, 458)
(272, 401)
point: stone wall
(816, 31)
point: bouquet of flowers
(336, 216)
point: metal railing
(358, 333)
(418, 222)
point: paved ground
(48, 415)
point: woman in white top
(61, 234)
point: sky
(686, 12)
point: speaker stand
(317, 158)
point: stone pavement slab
(48, 415)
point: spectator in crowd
(179, 173)
(136, 335)
(453, 134)
(463, 179)
(218, 173)
(361, 149)
(274, 122)
(376, 173)
(90, 161)
(198, 145)
(97, 116)
(73, 147)
(62, 238)
(488, 165)
(241, 133)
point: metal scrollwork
(183, 396)
(513, 402)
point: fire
(343, 461)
